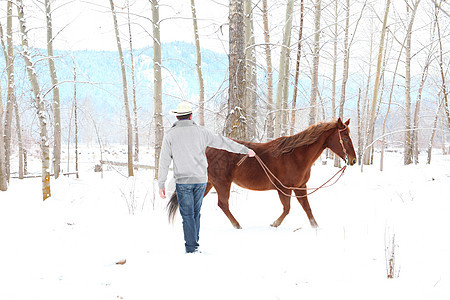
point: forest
(86, 90)
(384, 65)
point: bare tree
(415, 125)
(283, 77)
(133, 81)
(157, 88)
(9, 60)
(3, 177)
(315, 67)
(270, 132)
(55, 91)
(75, 113)
(383, 142)
(237, 118)
(250, 72)
(297, 69)
(335, 58)
(371, 127)
(39, 102)
(125, 92)
(441, 68)
(198, 65)
(407, 153)
(435, 123)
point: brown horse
(289, 158)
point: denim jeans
(190, 197)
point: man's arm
(220, 142)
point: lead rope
(269, 174)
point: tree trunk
(383, 142)
(9, 60)
(3, 177)
(75, 111)
(40, 105)
(237, 118)
(441, 68)
(363, 121)
(133, 81)
(270, 116)
(198, 65)
(315, 70)
(157, 89)
(371, 127)
(407, 153)
(8, 53)
(125, 93)
(283, 77)
(333, 81)
(250, 70)
(415, 134)
(55, 91)
(346, 60)
(297, 70)
(433, 132)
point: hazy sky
(89, 24)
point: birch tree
(9, 60)
(371, 127)
(407, 153)
(335, 58)
(441, 69)
(198, 65)
(281, 97)
(3, 177)
(297, 68)
(39, 102)
(269, 72)
(133, 88)
(415, 125)
(250, 69)
(237, 118)
(315, 67)
(125, 92)
(157, 87)
(55, 91)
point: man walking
(185, 143)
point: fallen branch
(40, 175)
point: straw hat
(183, 108)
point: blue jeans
(190, 198)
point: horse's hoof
(237, 226)
(275, 224)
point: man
(185, 143)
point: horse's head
(341, 143)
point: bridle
(342, 143)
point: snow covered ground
(67, 247)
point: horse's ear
(340, 124)
(347, 122)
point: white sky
(89, 24)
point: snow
(67, 247)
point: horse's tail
(172, 207)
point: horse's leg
(303, 199)
(286, 201)
(223, 193)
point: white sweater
(185, 143)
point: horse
(289, 158)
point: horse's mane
(287, 144)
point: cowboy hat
(183, 108)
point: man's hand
(251, 153)
(162, 193)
